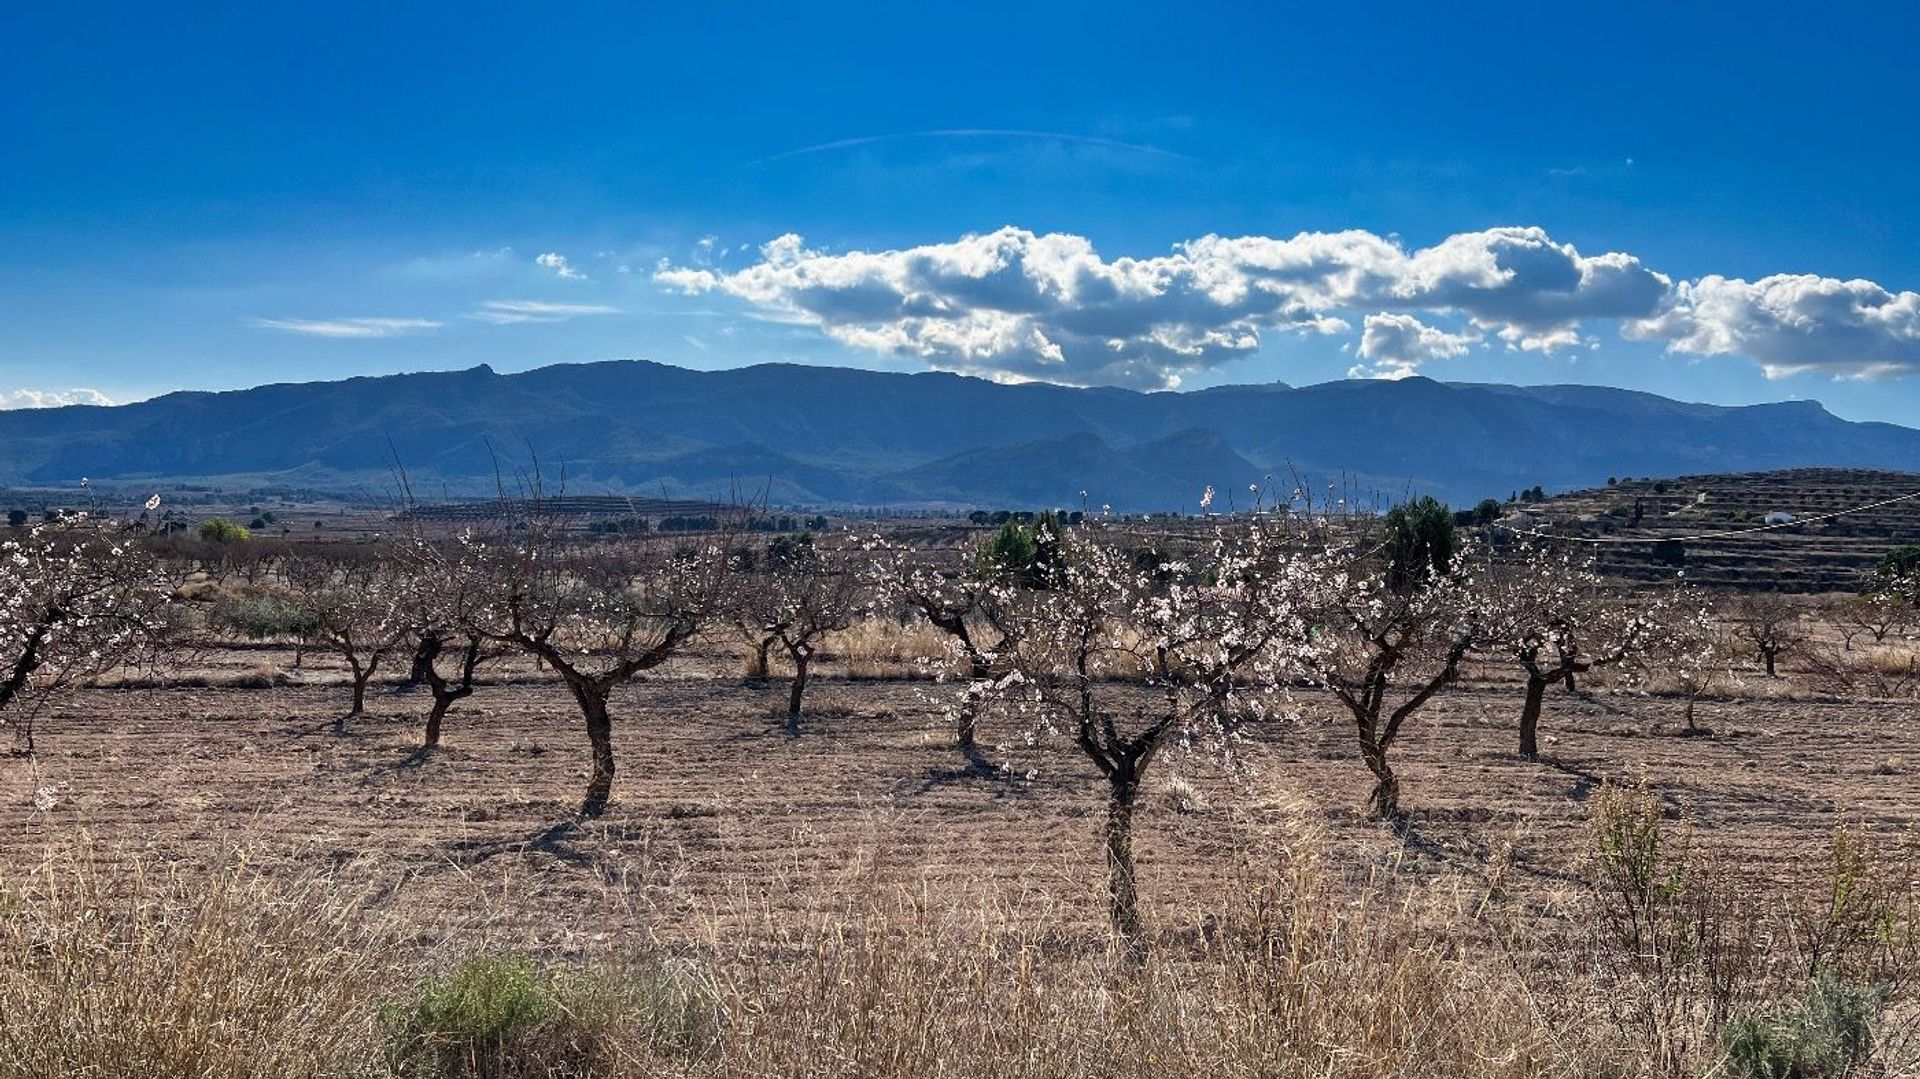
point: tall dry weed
(145, 971)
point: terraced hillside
(1716, 526)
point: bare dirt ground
(717, 810)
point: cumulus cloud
(510, 312)
(1394, 346)
(24, 398)
(1015, 305)
(1792, 323)
(348, 327)
(557, 262)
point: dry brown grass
(228, 975)
(883, 648)
(845, 904)
(145, 971)
(1309, 970)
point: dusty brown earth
(716, 809)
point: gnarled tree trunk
(1384, 801)
(441, 703)
(593, 706)
(362, 674)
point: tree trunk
(360, 677)
(757, 669)
(801, 661)
(1768, 655)
(966, 721)
(1530, 717)
(423, 657)
(441, 702)
(1384, 802)
(1570, 685)
(593, 705)
(1123, 892)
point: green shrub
(1421, 541)
(503, 1017)
(221, 530)
(1829, 1035)
(473, 1022)
(1031, 555)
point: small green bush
(1031, 555)
(221, 530)
(471, 1023)
(504, 1017)
(1420, 543)
(1829, 1035)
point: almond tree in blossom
(1389, 642)
(1128, 655)
(438, 605)
(600, 614)
(974, 603)
(78, 597)
(1549, 611)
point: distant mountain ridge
(843, 437)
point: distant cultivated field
(1814, 556)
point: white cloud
(24, 398)
(1014, 305)
(509, 312)
(555, 261)
(1792, 324)
(348, 327)
(1395, 345)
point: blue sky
(1679, 198)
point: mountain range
(822, 436)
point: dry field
(713, 798)
(727, 837)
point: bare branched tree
(599, 615)
(1549, 610)
(802, 590)
(1878, 613)
(353, 596)
(1772, 624)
